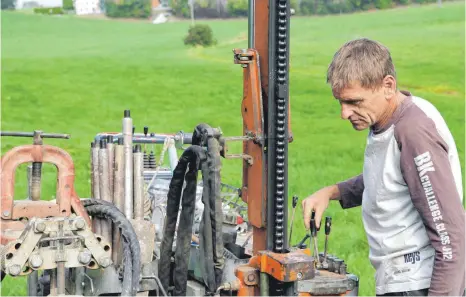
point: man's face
(362, 107)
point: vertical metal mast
(277, 127)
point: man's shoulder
(418, 115)
(421, 120)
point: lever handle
(295, 201)
(313, 225)
(328, 225)
(146, 130)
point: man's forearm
(333, 192)
(349, 192)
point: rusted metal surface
(254, 178)
(326, 283)
(66, 197)
(287, 267)
(247, 286)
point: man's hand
(319, 203)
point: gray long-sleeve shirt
(411, 196)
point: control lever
(328, 225)
(313, 234)
(295, 202)
(146, 130)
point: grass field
(70, 75)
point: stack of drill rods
(117, 177)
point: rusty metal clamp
(66, 197)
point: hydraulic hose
(131, 248)
(210, 239)
(191, 157)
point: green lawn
(70, 75)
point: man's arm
(426, 169)
(350, 192)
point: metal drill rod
(111, 164)
(31, 134)
(104, 187)
(138, 166)
(128, 152)
(118, 196)
(95, 182)
(295, 202)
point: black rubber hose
(192, 157)
(185, 229)
(129, 239)
(214, 165)
(127, 270)
(97, 207)
(205, 237)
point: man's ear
(389, 85)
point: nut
(35, 261)
(251, 277)
(84, 257)
(105, 261)
(40, 227)
(79, 224)
(6, 213)
(299, 275)
(14, 269)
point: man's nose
(345, 112)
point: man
(410, 188)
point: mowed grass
(76, 76)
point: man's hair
(362, 61)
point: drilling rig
(148, 229)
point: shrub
(128, 9)
(49, 10)
(200, 34)
(180, 8)
(237, 8)
(68, 5)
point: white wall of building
(87, 7)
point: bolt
(251, 277)
(14, 269)
(6, 213)
(85, 257)
(36, 261)
(40, 227)
(105, 261)
(299, 275)
(79, 224)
